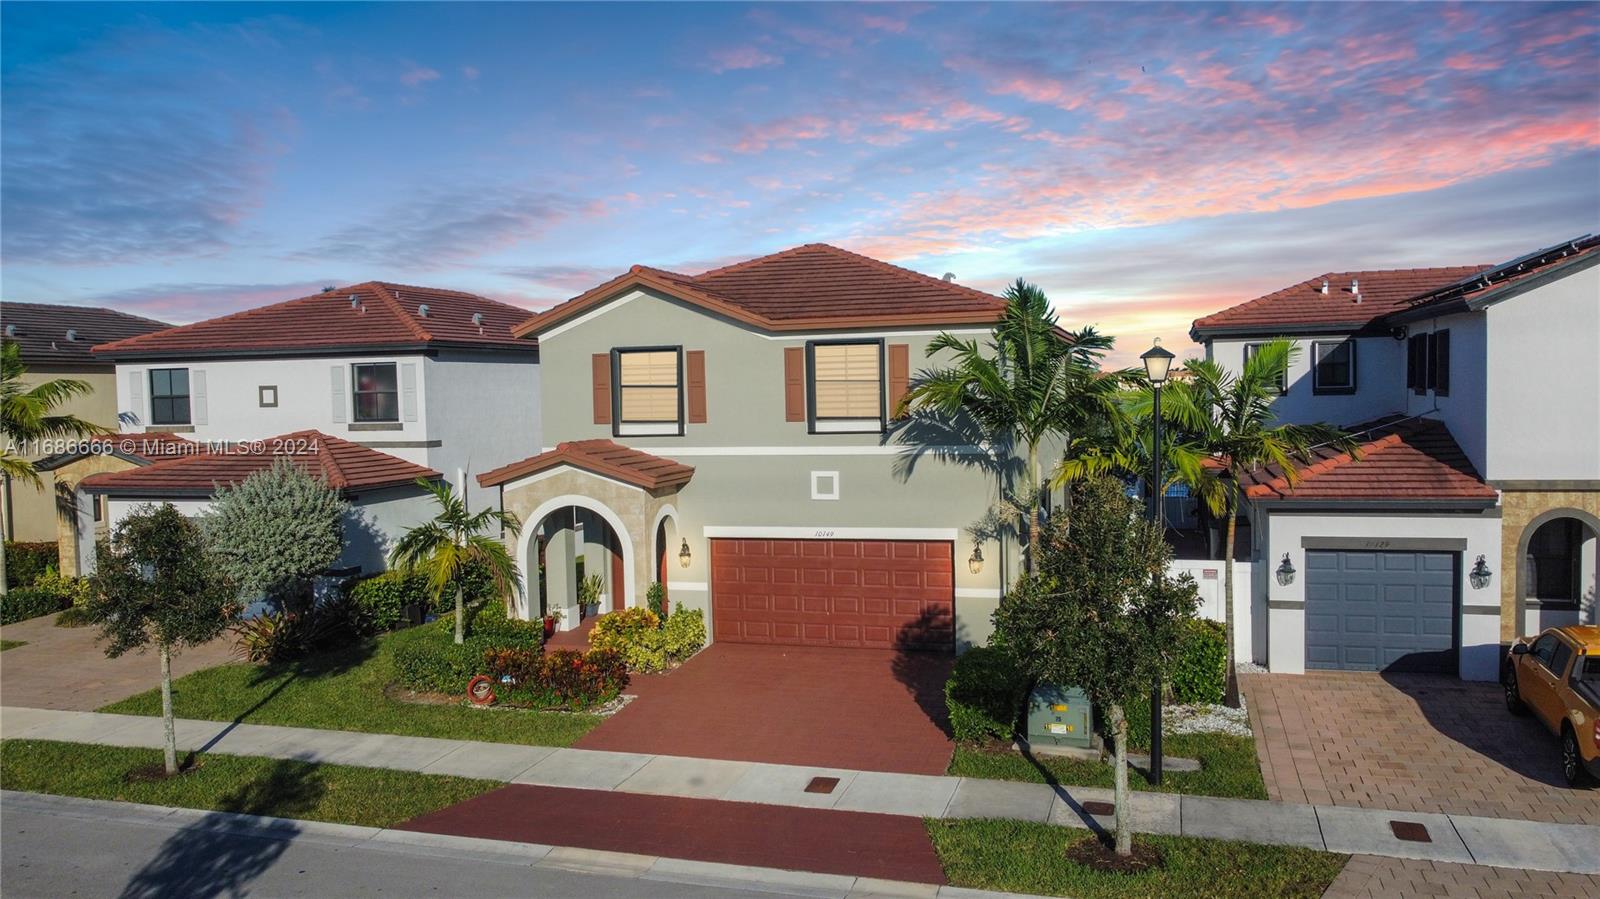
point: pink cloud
(784, 132)
(1471, 62)
(745, 57)
(416, 76)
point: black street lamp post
(1157, 363)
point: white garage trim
(827, 533)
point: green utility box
(1060, 717)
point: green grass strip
(11, 644)
(1228, 768)
(282, 788)
(345, 690)
(1023, 857)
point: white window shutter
(136, 395)
(337, 373)
(408, 391)
(197, 397)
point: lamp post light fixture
(1157, 364)
(975, 562)
(684, 556)
(1480, 574)
(1285, 571)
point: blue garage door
(1381, 611)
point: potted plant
(551, 620)
(589, 590)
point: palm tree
(1034, 380)
(28, 416)
(1229, 420)
(454, 540)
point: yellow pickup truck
(1556, 675)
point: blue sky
(1144, 163)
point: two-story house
(731, 436)
(371, 386)
(55, 342)
(1472, 513)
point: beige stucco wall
(71, 521)
(1518, 509)
(31, 511)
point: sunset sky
(1145, 164)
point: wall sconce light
(975, 563)
(1285, 571)
(1480, 574)
(684, 555)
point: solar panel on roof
(1537, 258)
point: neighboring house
(1473, 513)
(55, 342)
(434, 377)
(382, 489)
(81, 518)
(732, 436)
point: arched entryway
(1557, 557)
(569, 538)
(666, 552)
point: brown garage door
(882, 594)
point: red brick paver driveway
(1409, 742)
(739, 833)
(1370, 877)
(870, 710)
(66, 668)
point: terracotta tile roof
(602, 457)
(345, 466)
(40, 330)
(383, 314)
(809, 286)
(1400, 459)
(1498, 280)
(1304, 304)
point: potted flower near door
(589, 590)
(551, 621)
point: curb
(586, 861)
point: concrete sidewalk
(1567, 848)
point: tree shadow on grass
(328, 663)
(220, 854)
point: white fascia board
(824, 450)
(563, 469)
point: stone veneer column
(1518, 508)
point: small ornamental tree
(156, 582)
(276, 530)
(1101, 613)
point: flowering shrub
(564, 678)
(645, 642)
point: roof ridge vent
(72, 334)
(949, 277)
(1355, 288)
(422, 310)
(11, 330)
(1324, 286)
(477, 319)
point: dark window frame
(1568, 562)
(1317, 387)
(1283, 380)
(811, 385)
(170, 398)
(1439, 362)
(617, 424)
(356, 393)
(1417, 364)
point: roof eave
(1283, 329)
(169, 355)
(1303, 504)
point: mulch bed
(1101, 856)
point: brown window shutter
(899, 375)
(695, 363)
(602, 388)
(794, 383)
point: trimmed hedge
(428, 659)
(528, 678)
(984, 695)
(1200, 669)
(383, 598)
(26, 562)
(684, 633)
(23, 603)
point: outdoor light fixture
(1480, 574)
(1285, 572)
(975, 563)
(684, 555)
(1157, 361)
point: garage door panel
(882, 594)
(1379, 610)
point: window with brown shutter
(794, 383)
(601, 363)
(695, 377)
(846, 386)
(899, 375)
(649, 398)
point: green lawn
(344, 690)
(11, 644)
(1023, 857)
(1228, 767)
(232, 783)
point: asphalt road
(47, 855)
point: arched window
(1552, 562)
